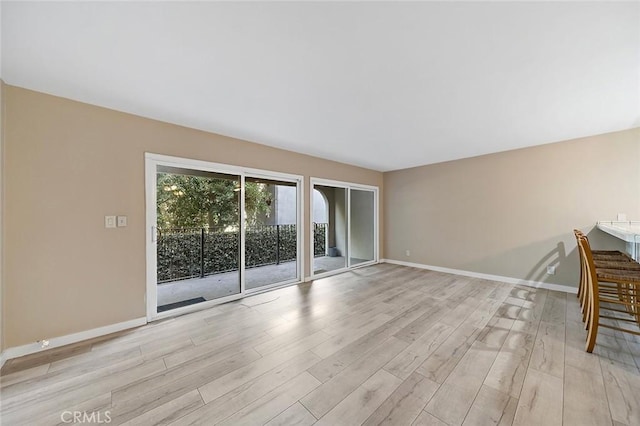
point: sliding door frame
(299, 180)
(374, 190)
(348, 186)
(152, 161)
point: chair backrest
(589, 270)
(579, 234)
(585, 250)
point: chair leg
(632, 296)
(592, 328)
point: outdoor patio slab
(228, 283)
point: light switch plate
(122, 221)
(109, 221)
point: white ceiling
(380, 85)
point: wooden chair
(617, 270)
(603, 259)
(622, 291)
(614, 255)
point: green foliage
(186, 201)
(257, 202)
(262, 244)
(319, 239)
(180, 251)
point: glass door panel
(362, 226)
(271, 232)
(329, 228)
(198, 236)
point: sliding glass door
(198, 236)
(329, 228)
(217, 232)
(361, 226)
(344, 228)
(271, 229)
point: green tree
(185, 201)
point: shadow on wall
(556, 258)
(530, 262)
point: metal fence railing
(196, 252)
(184, 253)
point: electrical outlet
(109, 221)
(551, 269)
(622, 217)
(408, 253)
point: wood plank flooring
(384, 344)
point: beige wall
(2, 206)
(512, 213)
(68, 165)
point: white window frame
(376, 230)
(152, 161)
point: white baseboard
(509, 280)
(56, 342)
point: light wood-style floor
(382, 344)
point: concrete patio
(228, 283)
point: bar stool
(604, 259)
(598, 294)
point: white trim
(57, 342)
(328, 274)
(376, 227)
(302, 230)
(243, 234)
(181, 162)
(376, 224)
(274, 286)
(347, 255)
(508, 280)
(3, 206)
(328, 182)
(151, 296)
(341, 271)
(341, 184)
(363, 264)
